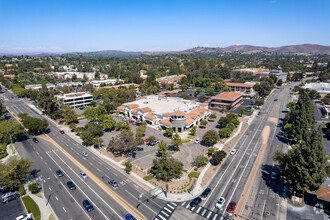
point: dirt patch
(111, 156)
(228, 146)
(274, 120)
(265, 134)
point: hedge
(31, 206)
(149, 177)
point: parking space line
(64, 209)
(50, 188)
(165, 213)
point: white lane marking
(98, 169)
(170, 211)
(165, 213)
(187, 206)
(56, 198)
(107, 168)
(162, 217)
(91, 163)
(198, 210)
(64, 209)
(49, 169)
(50, 188)
(41, 157)
(88, 187)
(183, 204)
(215, 216)
(37, 152)
(208, 216)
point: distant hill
(305, 49)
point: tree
(14, 172)
(176, 140)
(242, 111)
(35, 125)
(152, 139)
(87, 137)
(218, 156)
(95, 129)
(166, 165)
(279, 82)
(162, 147)
(210, 151)
(213, 116)
(203, 124)
(108, 122)
(202, 98)
(141, 129)
(169, 131)
(304, 166)
(69, 114)
(211, 137)
(259, 102)
(73, 126)
(128, 167)
(225, 132)
(235, 122)
(231, 126)
(200, 161)
(124, 144)
(90, 113)
(193, 130)
(46, 101)
(10, 128)
(223, 121)
(2, 109)
(123, 126)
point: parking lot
(246, 104)
(12, 209)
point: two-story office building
(227, 100)
(77, 99)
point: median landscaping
(31, 207)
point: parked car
(233, 151)
(126, 119)
(35, 140)
(165, 134)
(205, 193)
(248, 108)
(131, 121)
(146, 140)
(113, 183)
(88, 206)
(71, 185)
(25, 217)
(83, 175)
(197, 141)
(85, 154)
(195, 201)
(140, 149)
(9, 194)
(220, 203)
(129, 217)
(59, 173)
(62, 132)
(231, 208)
(10, 198)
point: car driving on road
(88, 206)
(83, 175)
(220, 203)
(113, 183)
(196, 201)
(35, 140)
(59, 173)
(231, 208)
(71, 185)
(85, 154)
(206, 193)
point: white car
(25, 217)
(197, 141)
(220, 203)
(83, 175)
(85, 154)
(233, 151)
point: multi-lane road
(109, 202)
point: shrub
(21, 190)
(185, 140)
(231, 126)
(149, 177)
(218, 156)
(210, 151)
(31, 206)
(193, 175)
(33, 187)
(4, 149)
(200, 161)
(235, 122)
(128, 167)
(195, 168)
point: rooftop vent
(145, 102)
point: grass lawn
(191, 136)
(32, 207)
(149, 177)
(185, 140)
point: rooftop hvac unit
(145, 102)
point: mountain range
(302, 49)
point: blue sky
(155, 25)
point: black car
(88, 206)
(139, 149)
(62, 132)
(196, 201)
(113, 183)
(71, 185)
(59, 173)
(206, 193)
(35, 140)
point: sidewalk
(10, 153)
(45, 210)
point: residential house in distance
(249, 71)
(165, 112)
(225, 100)
(170, 79)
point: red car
(131, 121)
(231, 207)
(146, 140)
(165, 134)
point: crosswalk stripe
(187, 206)
(162, 217)
(183, 204)
(165, 213)
(198, 210)
(193, 208)
(208, 216)
(170, 211)
(170, 206)
(221, 218)
(211, 216)
(215, 216)
(204, 211)
(173, 204)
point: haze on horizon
(60, 26)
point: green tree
(123, 126)
(176, 140)
(162, 147)
(152, 139)
(203, 124)
(35, 125)
(218, 156)
(231, 126)
(259, 102)
(242, 112)
(235, 122)
(128, 167)
(213, 116)
(211, 137)
(193, 130)
(304, 166)
(10, 128)
(124, 144)
(87, 137)
(73, 126)
(210, 151)
(200, 161)
(225, 132)
(279, 82)
(166, 165)
(108, 122)
(169, 131)
(68, 114)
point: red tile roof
(121, 107)
(178, 113)
(230, 96)
(146, 109)
(150, 116)
(131, 106)
(166, 121)
(323, 193)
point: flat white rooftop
(161, 105)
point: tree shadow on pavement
(277, 185)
